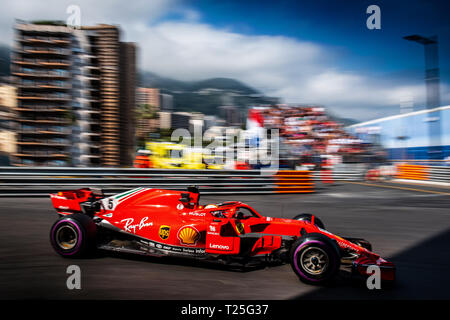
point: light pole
(433, 96)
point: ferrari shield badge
(239, 227)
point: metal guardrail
(356, 175)
(40, 181)
(439, 174)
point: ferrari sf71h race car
(166, 222)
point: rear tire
(315, 258)
(308, 217)
(73, 236)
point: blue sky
(317, 52)
(341, 25)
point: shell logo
(188, 235)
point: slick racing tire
(315, 258)
(73, 235)
(308, 217)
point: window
(175, 154)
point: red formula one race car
(166, 222)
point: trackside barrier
(439, 174)
(40, 181)
(348, 172)
(294, 181)
(423, 173)
(412, 172)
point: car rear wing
(74, 201)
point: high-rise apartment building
(166, 102)
(73, 108)
(147, 99)
(231, 115)
(128, 82)
(8, 102)
(180, 120)
(165, 120)
(150, 96)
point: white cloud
(186, 49)
(135, 13)
(295, 70)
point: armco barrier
(439, 174)
(293, 181)
(40, 181)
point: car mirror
(185, 198)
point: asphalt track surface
(407, 224)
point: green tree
(146, 111)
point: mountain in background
(203, 96)
(206, 95)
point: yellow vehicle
(213, 162)
(193, 158)
(166, 155)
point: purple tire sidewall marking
(80, 237)
(295, 259)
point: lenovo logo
(219, 246)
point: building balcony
(41, 62)
(44, 50)
(41, 73)
(43, 143)
(43, 40)
(40, 96)
(39, 85)
(50, 120)
(44, 131)
(44, 108)
(41, 154)
(41, 140)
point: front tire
(315, 258)
(73, 235)
(308, 217)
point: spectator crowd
(308, 135)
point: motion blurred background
(115, 94)
(110, 91)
